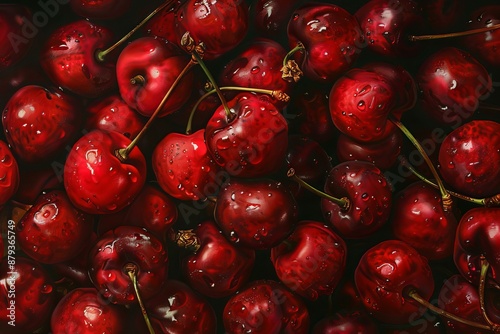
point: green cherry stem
(446, 198)
(343, 202)
(131, 270)
(413, 38)
(291, 70)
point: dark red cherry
(84, 311)
(452, 83)
(469, 158)
(15, 34)
(162, 25)
(331, 36)
(103, 9)
(9, 174)
(385, 274)
(346, 323)
(53, 230)
(69, 59)
(219, 25)
(23, 74)
(257, 214)
(265, 306)
(95, 180)
(442, 15)
(218, 268)
(311, 261)
(112, 255)
(39, 123)
(253, 142)
(28, 290)
(369, 195)
(272, 16)
(33, 182)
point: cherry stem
(276, 94)
(138, 80)
(123, 153)
(415, 296)
(490, 201)
(446, 198)
(343, 202)
(297, 48)
(101, 54)
(485, 266)
(291, 70)
(131, 270)
(186, 239)
(413, 38)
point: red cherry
(104, 9)
(15, 41)
(469, 158)
(441, 15)
(272, 16)
(345, 323)
(253, 142)
(82, 310)
(311, 261)
(114, 251)
(53, 230)
(95, 180)
(218, 268)
(257, 214)
(9, 174)
(39, 123)
(162, 25)
(33, 182)
(24, 74)
(265, 307)
(385, 274)
(69, 59)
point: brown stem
(454, 34)
(186, 239)
(131, 270)
(138, 80)
(291, 71)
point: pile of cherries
(259, 166)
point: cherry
(23, 74)
(219, 25)
(33, 182)
(96, 180)
(218, 268)
(177, 309)
(469, 158)
(452, 84)
(265, 306)
(272, 16)
(28, 286)
(367, 199)
(101, 10)
(257, 214)
(442, 14)
(330, 36)
(384, 276)
(162, 25)
(39, 123)
(14, 45)
(418, 219)
(253, 141)
(146, 69)
(346, 322)
(113, 114)
(311, 261)
(82, 310)
(9, 174)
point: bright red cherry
(9, 174)
(103, 9)
(15, 41)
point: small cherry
(14, 45)
(100, 10)
(9, 174)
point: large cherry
(257, 214)
(384, 277)
(39, 123)
(469, 158)
(9, 174)
(265, 306)
(218, 268)
(104, 9)
(311, 261)
(96, 180)
(252, 140)
(15, 35)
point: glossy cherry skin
(257, 214)
(39, 123)
(34, 295)
(219, 268)
(113, 114)
(272, 16)
(9, 174)
(452, 83)
(219, 25)
(95, 180)
(253, 142)
(331, 36)
(346, 323)
(384, 274)
(475, 237)
(469, 158)
(15, 42)
(311, 261)
(117, 248)
(386, 25)
(69, 59)
(159, 63)
(369, 195)
(101, 10)
(418, 219)
(53, 230)
(84, 311)
(183, 166)
(265, 306)
(162, 25)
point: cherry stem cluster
(413, 38)
(131, 270)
